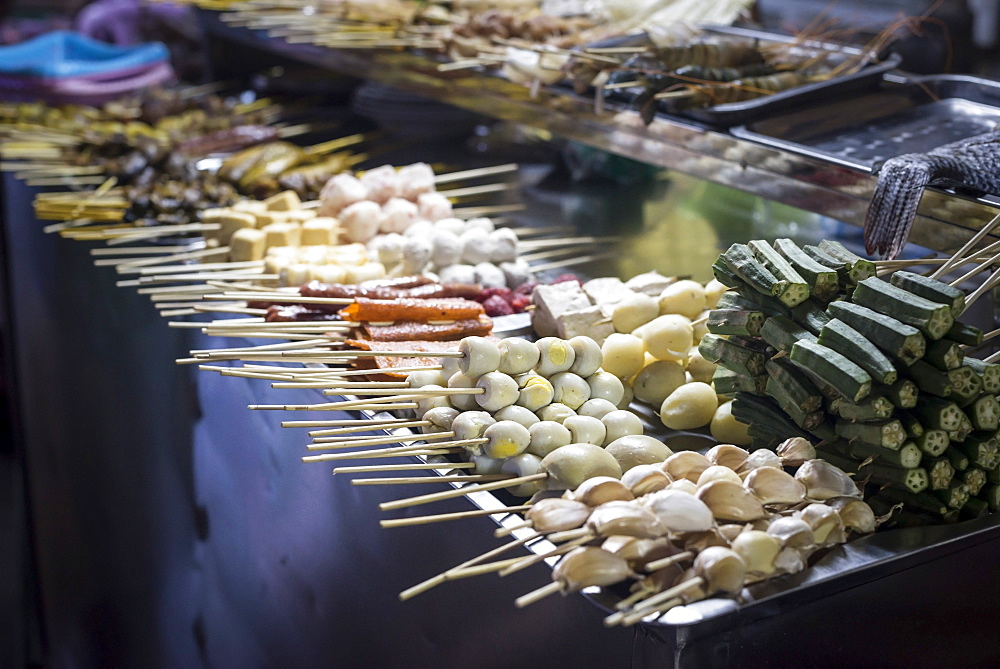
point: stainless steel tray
(727, 115)
(905, 115)
(730, 114)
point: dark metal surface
(176, 528)
(859, 131)
(944, 222)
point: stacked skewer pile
(876, 373)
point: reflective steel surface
(813, 183)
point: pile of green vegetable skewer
(812, 343)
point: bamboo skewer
(416, 466)
(572, 261)
(423, 449)
(132, 266)
(334, 443)
(434, 581)
(540, 557)
(408, 480)
(656, 565)
(459, 492)
(967, 246)
(445, 517)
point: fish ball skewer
(587, 356)
(547, 436)
(555, 412)
(361, 221)
(462, 380)
(534, 391)
(586, 429)
(479, 356)
(517, 356)
(341, 191)
(597, 408)
(471, 425)
(555, 355)
(505, 439)
(499, 390)
(607, 386)
(518, 414)
(569, 389)
(440, 419)
(523, 464)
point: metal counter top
(812, 183)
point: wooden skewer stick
(479, 570)
(364, 469)
(354, 429)
(459, 492)
(465, 175)
(659, 609)
(538, 595)
(993, 358)
(131, 266)
(202, 267)
(650, 604)
(330, 406)
(572, 261)
(966, 247)
(340, 384)
(973, 272)
(407, 480)
(478, 190)
(142, 250)
(263, 347)
(328, 443)
(563, 241)
(656, 565)
(992, 281)
(475, 212)
(434, 581)
(458, 515)
(425, 392)
(352, 422)
(507, 530)
(422, 449)
(540, 557)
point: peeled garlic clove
(825, 523)
(679, 511)
(789, 561)
(774, 486)
(556, 514)
(718, 473)
(686, 465)
(722, 568)
(644, 479)
(640, 551)
(730, 531)
(699, 541)
(793, 532)
(683, 486)
(589, 565)
(625, 518)
(855, 514)
(823, 481)
(731, 501)
(601, 489)
(727, 455)
(693, 593)
(758, 550)
(793, 452)
(761, 458)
